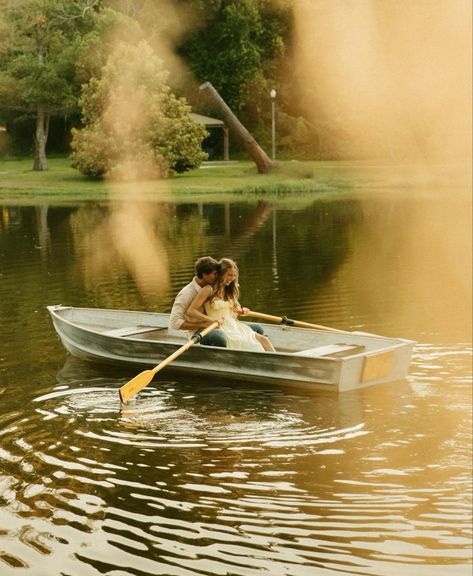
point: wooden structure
(209, 122)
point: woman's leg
(265, 342)
(256, 327)
(215, 338)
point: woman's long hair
(232, 291)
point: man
(206, 269)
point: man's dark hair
(206, 265)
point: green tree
(37, 71)
(237, 45)
(134, 126)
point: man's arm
(193, 326)
(177, 318)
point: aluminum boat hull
(303, 357)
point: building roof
(207, 120)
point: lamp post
(273, 122)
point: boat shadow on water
(175, 398)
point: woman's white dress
(238, 334)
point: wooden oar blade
(144, 378)
(132, 387)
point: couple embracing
(213, 295)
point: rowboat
(304, 357)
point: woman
(221, 303)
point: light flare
(394, 77)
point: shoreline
(231, 180)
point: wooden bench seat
(337, 350)
(132, 330)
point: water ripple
(205, 478)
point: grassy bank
(18, 179)
(289, 178)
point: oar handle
(288, 322)
(195, 339)
(198, 337)
(144, 378)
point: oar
(288, 322)
(144, 378)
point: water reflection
(269, 241)
(199, 476)
(221, 413)
(375, 264)
(125, 239)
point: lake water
(202, 477)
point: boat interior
(338, 350)
(286, 340)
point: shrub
(134, 126)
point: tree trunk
(42, 117)
(41, 137)
(263, 163)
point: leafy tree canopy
(239, 41)
(134, 126)
(37, 59)
(37, 71)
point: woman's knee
(256, 328)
